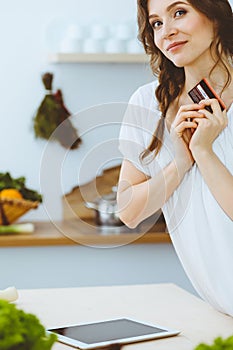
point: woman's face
(183, 34)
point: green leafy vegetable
(51, 113)
(219, 344)
(22, 331)
(7, 181)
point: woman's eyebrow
(170, 7)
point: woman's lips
(176, 45)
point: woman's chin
(179, 63)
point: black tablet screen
(107, 331)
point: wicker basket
(12, 209)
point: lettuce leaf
(218, 344)
(22, 331)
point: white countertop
(163, 304)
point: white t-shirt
(201, 231)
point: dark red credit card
(203, 91)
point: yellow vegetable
(10, 193)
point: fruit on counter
(7, 182)
(17, 228)
(20, 330)
(11, 193)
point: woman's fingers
(192, 107)
(187, 116)
(211, 102)
(180, 128)
(215, 106)
(218, 115)
(187, 112)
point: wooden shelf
(73, 233)
(97, 58)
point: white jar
(75, 31)
(92, 46)
(72, 40)
(70, 45)
(98, 31)
(114, 46)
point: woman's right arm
(139, 196)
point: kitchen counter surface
(72, 232)
(162, 304)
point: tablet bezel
(166, 332)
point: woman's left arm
(217, 177)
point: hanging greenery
(51, 113)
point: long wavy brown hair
(171, 78)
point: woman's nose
(169, 29)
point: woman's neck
(218, 78)
(207, 68)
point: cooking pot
(106, 210)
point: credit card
(203, 91)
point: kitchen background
(29, 32)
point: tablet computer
(109, 332)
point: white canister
(91, 45)
(98, 31)
(70, 45)
(114, 46)
(72, 40)
(76, 31)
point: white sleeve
(226, 142)
(230, 125)
(137, 128)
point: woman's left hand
(208, 128)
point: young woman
(178, 155)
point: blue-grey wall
(78, 266)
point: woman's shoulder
(142, 111)
(145, 97)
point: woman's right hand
(181, 132)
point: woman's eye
(156, 24)
(180, 13)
